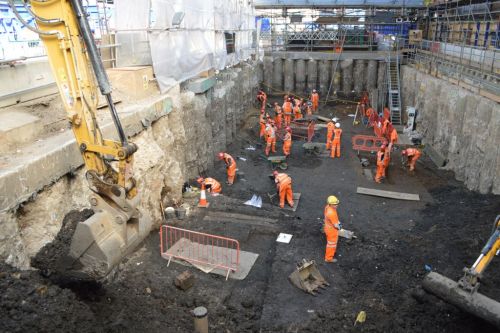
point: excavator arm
(463, 293)
(116, 228)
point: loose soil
(380, 272)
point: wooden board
(325, 119)
(388, 194)
(276, 159)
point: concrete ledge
(42, 163)
(200, 85)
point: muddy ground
(379, 273)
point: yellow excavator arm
(115, 229)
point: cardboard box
(133, 82)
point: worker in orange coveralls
(308, 107)
(287, 111)
(284, 187)
(278, 115)
(271, 138)
(287, 141)
(381, 164)
(336, 141)
(413, 155)
(230, 165)
(315, 100)
(329, 133)
(211, 185)
(331, 228)
(262, 123)
(393, 139)
(297, 114)
(262, 97)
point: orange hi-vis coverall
(212, 185)
(387, 161)
(287, 143)
(331, 229)
(315, 101)
(278, 118)
(386, 123)
(271, 139)
(329, 134)
(297, 114)
(262, 123)
(413, 155)
(394, 136)
(336, 142)
(287, 111)
(231, 168)
(380, 165)
(262, 97)
(284, 186)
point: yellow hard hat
(332, 200)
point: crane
(117, 226)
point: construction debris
(284, 238)
(184, 281)
(388, 194)
(256, 201)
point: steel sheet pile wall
(181, 52)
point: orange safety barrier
(367, 143)
(197, 247)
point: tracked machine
(117, 226)
(463, 293)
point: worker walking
(315, 100)
(230, 166)
(211, 185)
(287, 111)
(278, 118)
(336, 141)
(413, 154)
(270, 138)
(393, 139)
(331, 228)
(284, 188)
(287, 141)
(381, 164)
(329, 133)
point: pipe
(95, 60)
(473, 303)
(200, 315)
(35, 30)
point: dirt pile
(53, 260)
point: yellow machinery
(463, 293)
(117, 226)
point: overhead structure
(268, 4)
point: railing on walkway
(199, 248)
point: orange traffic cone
(203, 198)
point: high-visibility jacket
(287, 137)
(282, 179)
(214, 185)
(331, 217)
(287, 107)
(329, 129)
(315, 98)
(338, 133)
(270, 133)
(413, 152)
(229, 160)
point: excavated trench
(380, 272)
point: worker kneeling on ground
(211, 185)
(336, 141)
(331, 228)
(284, 187)
(287, 141)
(230, 166)
(413, 155)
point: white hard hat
(337, 125)
(335, 119)
(314, 90)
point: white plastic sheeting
(198, 44)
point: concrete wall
(462, 126)
(288, 72)
(176, 147)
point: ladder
(393, 88)
(341, 41)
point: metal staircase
(393, 88)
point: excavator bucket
(471, 302)
(100, 242)
(307, 277)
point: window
(230, 38)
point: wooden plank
(226, 215)
(388, 194)
(325, 119)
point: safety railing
(199, 248)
